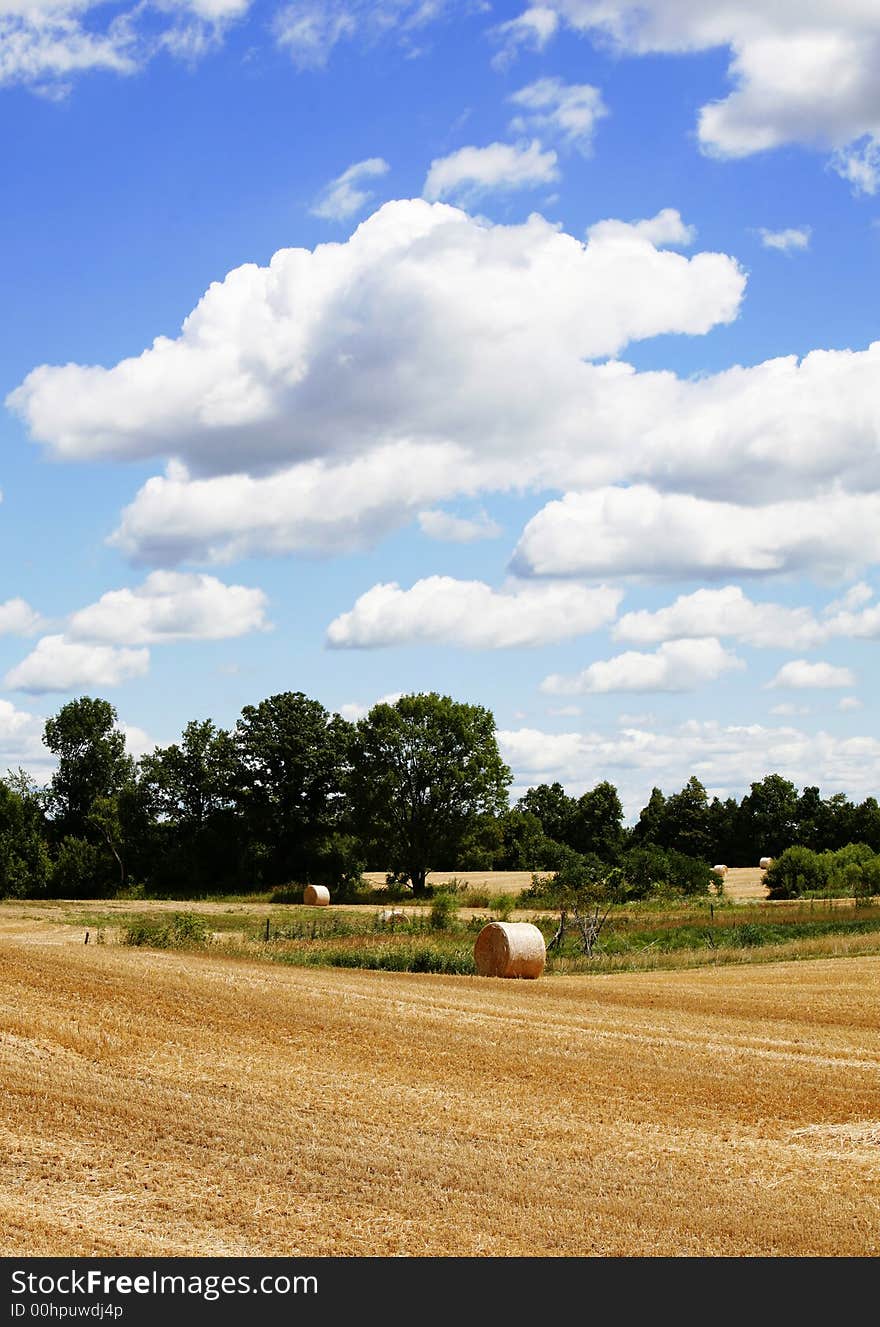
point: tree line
(295, 794)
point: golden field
(189, 1104)
(741, 882)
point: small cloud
(530, 31)
(500, 167)
(850, 703)
(678, 665)
(800, 673)
(563, 711)
(566, 111)
(786, 241)
(341, 198)
(17, 618)
(355, 709)
(787, 710)
(856, 597)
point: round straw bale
(392, 915)
(765, 862)
(317, 896)
(510, 949)
(720, 870)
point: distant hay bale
(720, 870)
(510, 949)
(765, 862)
(391, 915)
(316, 896)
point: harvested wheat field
(745, 882)
(741, 882)
(177, 1104)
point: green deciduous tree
(424, 770)
(291, 758)
(24, 858)
(597, 823)
(92, 762)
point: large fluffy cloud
(319, 402)
(171, 606)
(425, 327)
(726, 757)
(639, 531)
(803, 71)
(678, 665)
(443, 611)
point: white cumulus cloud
(801, 72)
(171, 606)
(678, 665)
(639, 531)
(441, 610)
(473, 171)
(724, 612)
(727, 758)
(59, 664)
(800, 673)
(17, 618)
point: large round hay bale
(317, 896)
(720, 870)
(510, 949)
(765, 862)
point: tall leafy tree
(556, 811)
(650, 822)
(597, 824)
(769, 816)
(290, 759)
(188, 788)
(92, 761)
(24, 859)
(685, 824)
(424, 770)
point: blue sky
(558, 396)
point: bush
(444, 911)
(504, 906)
(665, 873)
(797, 871)
(182, 930)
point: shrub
(797, 871)
(504, 906)
(182, 930)
(444, 911)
